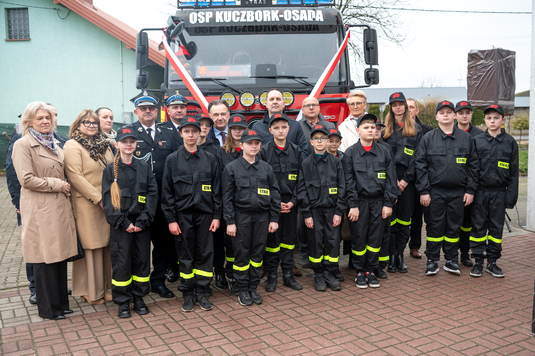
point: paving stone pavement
(410, 314)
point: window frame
(9, 21)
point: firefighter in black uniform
(177, 108)
(129, 200)
(498, 190)
(154, 144)
(320, 195)
(463, 115)
(285, 159)
(371, 182)
(446, 171)
(251, 211)
(191, 203)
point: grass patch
(523, 161)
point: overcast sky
(436, 48)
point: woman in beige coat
(86, 155)
(48, 232)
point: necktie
(149, 132)
(223, 136)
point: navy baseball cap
(237, 120)
(203, 116)
(494, 107)
(124, 132)
(397, 96)
(319, 128)
(443, 104)
(335, 132)
(249, 135)
(463, 105)
(278, 116)
(189, 120)
(370, 117)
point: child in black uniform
(252, 205)
(129, 199)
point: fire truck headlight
(262, 98)
(288, 97)
(229, 98)
(247, 99)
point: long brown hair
(230, 145)
(408, 128)
(115, 191)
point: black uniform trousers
(280, 245)
(323, 241)
(444, 217)
(417, 222)
(401, 220)
(488, 217)
(51, 288)
(466, 227)
(249, 245)
(163, 251)
(219, 249)
(130, 261)
(368, 237)
(229, 251)
(384, 254)
(195, 250)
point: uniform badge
(161, 143)
(138, 153)
(140, 129)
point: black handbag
(80, 253)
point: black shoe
(289, 281)
(244, 298)
(163, 291)
(319, 282)
(188, 304)
(432, 268)
(392, 265)
(466, 261)
(372, 280)
(59, 317)
(332, 282)
(380, 273)
(172, 276)
(257, 299)
(271, 285)
(67, 311)
(338, 275)
(400, 264)
(204, 303)
(221, 281)
(124, 310)
(493, 269)
(69, 291)
(33, 298)
(477, 269)
(232, 287)
(360, 281)
(139, 306)
(452, 267)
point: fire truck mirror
(370, 47)
(142, 50)
(142, 80)
(371, 76)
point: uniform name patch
(503, 164)
(206, 188)
(333, 190)
(381, 175)
(408, 151)
(263, 191)
(141, 199)
(292, 176)
(461, 160)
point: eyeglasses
(320, 139)
(357, 103)
(90, 123)
(145, 108)
(310, 106)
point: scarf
(46, 140)
(97, 147)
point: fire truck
(239, 50)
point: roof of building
(111, 25)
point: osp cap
(369, 117)
(189, 120)
(494, 107)
(249, 135)
(335, 132)
(278, 116)
(203, 116)
(443, 104)
(124, 132)
(463, 105)
(146, 100)
(237, 120)
(176, 99)
(319, 128)
(379, 123)
(397, 96)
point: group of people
(218, 199)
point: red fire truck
(238, 50)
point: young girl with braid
(129, 197)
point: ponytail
(115, 191)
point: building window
(18, 25)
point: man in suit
(219, 112)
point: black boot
(400, 265)
(289, 281)
(271, 282)
(391, 265)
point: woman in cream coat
(48, 232)
(86, 155)
(357, 102)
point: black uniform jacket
(169, 126)
(216, 151)
(370, 175)
(498, 164)
(447, 161)
(472, 130)
(154, 151)
(191, 182)
(321, 184)
(139, 195)
(285, 164)
(250, 187)
(404, 153)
